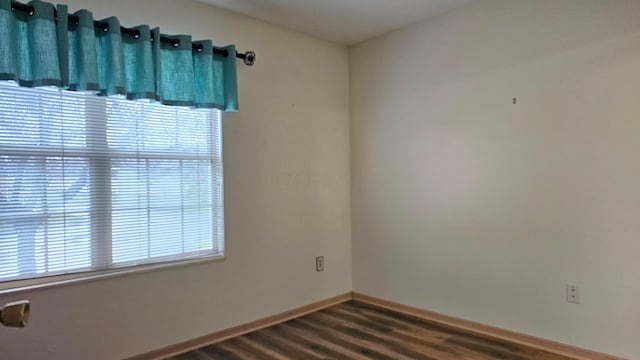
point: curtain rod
(249, 57)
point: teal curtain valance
(42, 47)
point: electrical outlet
(320, 263)
(572, 294)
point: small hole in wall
(515, 100)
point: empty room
(319, 179)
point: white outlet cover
(572, 294)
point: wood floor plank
(320, 338)
(283, 346)
(425, 346)
(355, 330)
(346, 341)
(241, 349)
(324, 349)
(217, 352)
(425, 333)
(421, 330)
(418, 333)
(194, 355)
(429, 340)
(381, 341)
(496, 349)
(263, 350)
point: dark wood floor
(354, 330)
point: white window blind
(93, 183)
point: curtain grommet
(176, 44)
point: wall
(287, 201)
(466, 204)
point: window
(93, 183)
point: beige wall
(287, 200)
(466, 204)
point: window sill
(29, 285)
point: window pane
(170, 197)
(67, 240)
(146, 127)
(163, 204)
(44, 212)
(130, 228)
(198, 199)
(34, 118)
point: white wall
(466, 204)
(287, 200)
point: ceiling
(341, 21)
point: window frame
(111, 270)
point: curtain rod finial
(249, 58)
